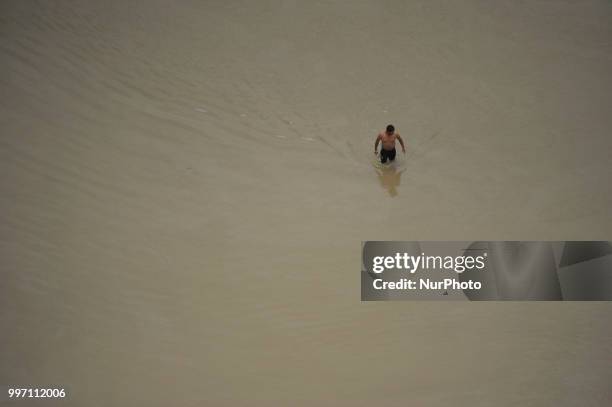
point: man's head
(390, 129)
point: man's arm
(401, 142)
(376, 144)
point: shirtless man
(388, 144)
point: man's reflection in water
(389, 179)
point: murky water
(184, 187)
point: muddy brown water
(184, 187)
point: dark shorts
(384, 154)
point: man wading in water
(388, 144)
